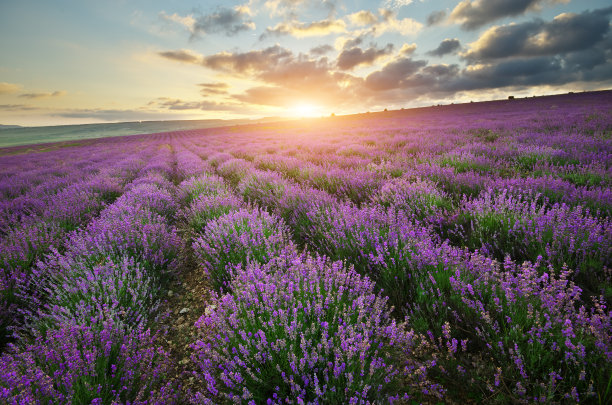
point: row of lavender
(87, 305)
(40, 208)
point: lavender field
(449, 254)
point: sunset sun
(305, 110)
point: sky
(83, 61)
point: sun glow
(305, 110)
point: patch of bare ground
(188, 295)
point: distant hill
(9, 126)
(14, 135)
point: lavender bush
(511, 332)
(207, 207)
(240, 237)
(204, 184)
(420, 198)
(502, 223)
(118, 292)
(131, 230)
(306, 330)
(75, 364)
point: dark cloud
(34, 96)
(585, 56)
(565, 33)
(225, 20)
(436, 17)
(516, 72)
(321, 50)
(181, 55)
(242, 63)
(393, 74)
(447, 46)
(211, 89)
(352, 42)
(350, 58)
(473, 14)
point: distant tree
(510, 97)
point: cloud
(176, 104)
(224, 20)
(17, 107)
(270, 96)
(9, 88)
(227, 21)
(393, 74)
(246, 62)
(321, 50)
(584, 57)
(407, 49)
(567, 32)
(516, 72)
(288, 8)
(35, 96)
(396, 4)
(447, 46)
(386, 21)
(182, 55)
(347, 42)
(374, 25)
(362, 18)
(436, 17)
(473, 14)
(187, 21)
(302, 75)
(350, 58)
(211, 89)
(301, 30)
